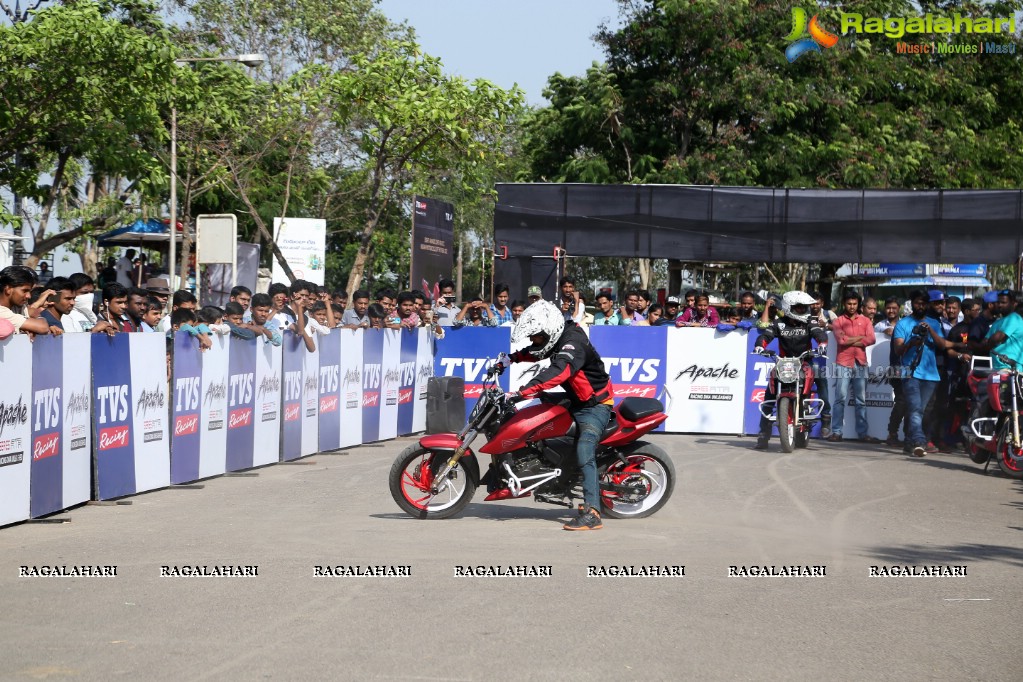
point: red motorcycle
(532, 452)
(996, 392)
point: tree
(413, 120)
(83, 86)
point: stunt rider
(794, 332)
(575, 366)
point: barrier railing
(91, 416)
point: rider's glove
(759, 350)
(821, 351)
(503, 362)
(514, 396)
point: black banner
(433, 237)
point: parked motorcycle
(532, 452)
(794, 409)
(996, 392)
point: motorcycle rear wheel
(1010, 458)
(648, 466)
(411, 479)
(786, 424)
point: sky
(522, 41)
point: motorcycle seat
(982, 372)
(612, 424)
(634, 409)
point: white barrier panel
(424, 370)
(299, 433)
(213, 422)
(15, 428)
(705, 382)
(267, 431)
(61, 426)
(130, 413)
(390, 383)
(351, 387)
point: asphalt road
(846, 508)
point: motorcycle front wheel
(786, 424)
(411, 481)
(1010, 458)
(649, 471)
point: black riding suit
(794, 339)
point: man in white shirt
(125, 266)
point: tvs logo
(46, 446)
(239, 418)
(292, 412)
(629, 368)
(371, 399)
(113, 437)
(472, 368)
(328, 404)
(186, 425)
(800, 43)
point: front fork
(440, 479)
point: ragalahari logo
(817, 39)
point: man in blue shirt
(915, 340)
(1005, 336)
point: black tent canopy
(746, 224)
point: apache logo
(13, 414)
(186, 425)
(425, 371)
(311, 384)
(352, 376)
(149, 400)
(817, 39)
(77, 403)
(47, 408)
(392, 376)
(328, 403)
(530, 372)
(694, 372)
(237, 418)
(269, 384)
(113, 437)
(215, 392)
(46, 446)
(630, 367)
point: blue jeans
(857, 376)
(918, 393)
(592, 421)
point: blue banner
(890, 269)
(112, 401)
(330, 391)
(468, 353)
(47, 426)
(372, 379)
(241, 403)
(407, 382)
(634, 358)
(960, 270)
(186, 402)
(294, 369)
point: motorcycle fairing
(537, 422)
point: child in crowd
(185, 320)
(262, 322)
(213, 317)
(377, 316)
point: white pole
(172, 251)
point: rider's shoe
(588, 519)
(761, 443)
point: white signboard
(303, 243)
(705, 383)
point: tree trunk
(645, 271)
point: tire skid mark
(840, 519)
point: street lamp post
(250, 60)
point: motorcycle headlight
(788, 370)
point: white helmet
(544, 318)
(794, 298)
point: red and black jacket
(575, 366)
